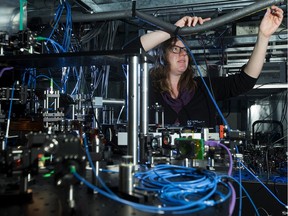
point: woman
(183, 96)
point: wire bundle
(60, 31)
(184, 187)
(182, 190)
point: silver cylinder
(144, 107)
(133, 108)
(126, 172)
(144, 103)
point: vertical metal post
(95, 123)
(71, 200)
(96, 148)
(133, 107)
(144, 103)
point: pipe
(144, 95)
(133, 107)
(144, 106)
(229, 17)
(103, 16)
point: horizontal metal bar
(110, 101)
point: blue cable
(31, 81)
(65, 79)
(9, 113)
(213, 143)
(240, 190)
(32, 75)
(124, 69)
(56, 45)
(240, 184)
(155, 209)
(247, 194)
(108, 171)
(78, 78)
(264, 186)
(57, 17)
(159, 180)
(177, 192)
(207, 88)
(41, 75)
(68, 29)
(23, 76)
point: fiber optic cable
(5, 69)
(9, 116)
(240, 184)
(78, 77)
(57, 17)
(185, 207)
(247, 194)
(56, 46)
(152, 209)
(285, 205)
(215, 144)
(203, 81)
(41, 75)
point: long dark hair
(160, 71)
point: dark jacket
(201, 107)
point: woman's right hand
(188, 21)
(153, 39)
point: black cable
(133, 8)
(219, 21)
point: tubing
(114, 15)
(229, 17)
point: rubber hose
(219, 21)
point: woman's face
(177, 58)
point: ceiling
(110, 24)
(42, 12)
(105, 10)
(157, 8)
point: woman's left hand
(271, 21)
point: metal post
(133, 107)
(144, 103)
(71, 200)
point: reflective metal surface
(13, 17)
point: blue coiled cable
(168, 186)
(186, 208)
